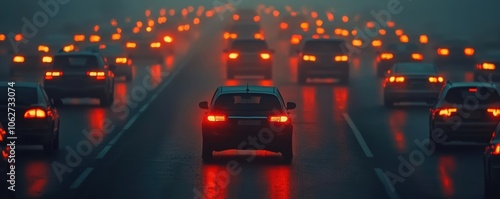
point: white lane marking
(81, 178)
(117, 136)
(358, 136)
(104, 152)
(389, 189)
(131, 121)
(144, 107)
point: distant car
(397, 53)
(486, 67)
(244, 31)
(492, 166)
(456, 119)
(148, 46)
(323, 58)
(245, 15)
(412, 82)
(455, 52)
(288, 25)
(238, 113)
(80, 75)
(36, 116)
(115, 54)
(30, 58)
(249, 57)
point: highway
(346, 143)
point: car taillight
(404, 39)
(284, 25)
(469, 51)
(309, 58)
(97, 74)
(386, 56)
(295, 40)
(265, 55)
(121, 60)
(69, 48)
(79, 38)
(116, 36)
(94, 38)
(42, 48)
(424, 39)
(357, 42)
(236, 17)
(279, 118)
(226, 35)
(443, 51)
(258, 36)
(256, 18)
(397, 79)
(320, 30)
(18, 59)
(46, 59)
(130, 45)
(51, 74)
(216, 118)
(168, 39)
(35, 113)
(494, 111)
(376, 43)
(341, 58)
(233, 36)
(233, 55)
(446, 112)
(417, 56)
(496, 150)
(155, 45)
(486, 66)
(436, 79)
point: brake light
(121, 60)
(357, 42)
(417, 56)
(341, 58)
(320, 30)
(47, 59)
(443, 51)
(94, 38)
(295, 39)
(51, 74)
(399, 32)
(35, 113)
(386, 56)
(281, 119)
(79, 38)
(116, 36)
(258, 36)
(284, 26)
(424, 39)
(494, 111)
(345, 33)
(486, 66)
(265, 55)
(315, 36)
(42, 48)
(131, 45)
(216, 118)
(233, 55)
(496, 150)
(18, 59)
(303, 25)
(404, 39)
(396, 79)
(469, 51)
(226, 35)
(256, 18)
(309, 58)
(233, 36)
(168, 39)
(2, 37)
(376, 43)
(97, 74)
(472, 90)
(155, 45)
(446, 112)
(69, 48)
(436, 79)
(236, 17)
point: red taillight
(386, 56)
(341, 58)
(233, 55)
(496, 150)
(443, 51)
(436, 79)
(486, 66)
(265, 55)
(446, 112)
(97, 74)
(494, 111)
(51, 74)
(417, 56)
(279, 118)
(469, 51)
(397, 79)
(35, 113)
(216, 118)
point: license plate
(249, 122)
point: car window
(75, 61)
(248, 102)
(323, 46)
(483, 95)
(249, 46)
(24, 96)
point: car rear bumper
(34, 136)
(466, 131)
(324, 70)
(410, 95)
(64, 91)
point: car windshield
(416, 69)
(247, 102)
(75, 61)
(323, 46)
(249, 45)
(483, 95)
(23, 95)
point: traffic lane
(164, 159)
(397, 134)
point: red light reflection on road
(469, 77)
(397, 121)
(341, 96)
(279, 182)
(155, 75)
(292, 62)
(169, 62)
(355, 62)
(265, 83)
(233, 82)
(97, 117)
(216, 179)
(120, 90)
(447, 166)
(309, 103)
(36, 178)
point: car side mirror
(57, 102)
(290, 105)
(431, 102)
(203, 105)
(112, 67)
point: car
(465, 111)
(245, 15)
(79, 75)
(238, 113)
(455, 52)
(397, 53)
(29, 58)
(244, 31)
(148, 46)
(290, 24)
(323, 58)
(36, 116)
(491, 160)
(249, 57)
(486, 67)
(116, 54)
(412, 82)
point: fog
(473, 20)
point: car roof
(470, 84)
(325, 40)
(82, 53)
(414, 64)
(251, 89)
(23, 84)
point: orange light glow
(147, 13)
(319, 22)
(265, 56)
(386, 56)
(233, 55)
(96, 28)
(94, 38)
(310, 58)
(417, 56)
(423, 39)
(2, 37)
(345, 19)
(155, 45)
(186, 27)
(280, 119)
(151, 23)
(382, 32)
(404, 39)
(341, 58)
(47, 59)
(79, 38)
(256, 18)
(486, 66)
(396, 79)
(276, 13)
(436, 79)
(196, 21)
(376, 43)
(345, 33)
(357, 42)
(443, 51)
(35, 113)
(130, 45)
(209, 13)
(171, 12)
(18, 37)
(320, 31)
(399, 32)
(216, 118)
(163, 12)
(184, 12)
(330, 16)
(116, 36)
(162, 20)
(390, 24)
(469, 51)
(354, 32)
(447, 112)
(121, 60)
(168, 39)
(102, 46)
(236, 17)
(139, 24)
(494, 111)
(295, 39)
(314, 14)
(338, 31)
(42, 48)
(97, 74)
(370, 24)
(18, 59)
(149, 29)
(136, 30)
(51, 74)
(114, 22)
(69, 48)
(303, 25)
(258, 36)
(293, 14)
(283, 25)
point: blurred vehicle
(454, 52)
(30, 58)
(486, 67)
(412, 82)
(115, 54)
(81, 74)
(244, 31)
(289, 25)
(453, 104)
(245, 15)
(36, 116)
(249, 57)
(237, 112)
(491, 160)
(397, 53)
(323, 58)
(148, 46)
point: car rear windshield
(247, 102)
(416, 69)
(323, 46)
(23, 95)
(245, 29)
(410, 47)
(75, 61)
(249, 46)
(462, 95)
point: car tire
(207, 151)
